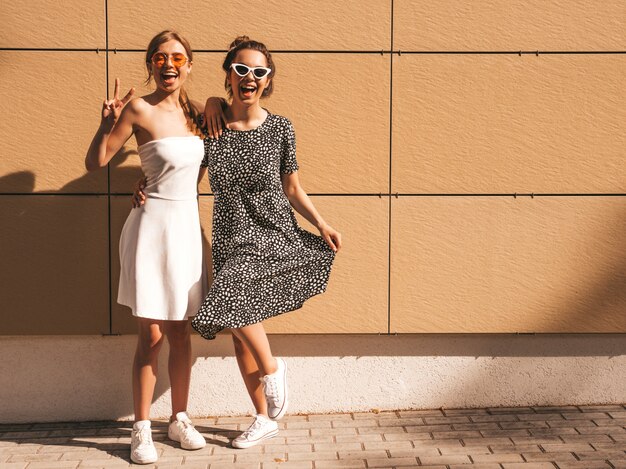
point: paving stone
(490, 441)
(265, 457)
(10, 450)
(312, 456)
(470, 412)
(104, 463)
(456, 435)
(235, 466)
(509, 432)
(446, 459)
(493, 458)
(584, 415)
(583, 465)
(214, 459)
(315, 424)
(84, 455)
(384, 445)
(420, 413)
(446, 420)
(536, 440)
(604, 408)
(392, 462)
(427, 428)
(591, 455)
(17, 435)
(477, 466)
(363, 454)
(217, 458)
(548, 409)
(339, 464)
(31, 457)
(347, 446)
(401, 422)
(565, 447)
(537, 465)
(553, 431)
(518, 448)
(353, 423)
(466, 450)
(330, 416)
(586, 438)
(495, 418)
(332, 431)
(538, 457)
(360, 437)
(299, 440)
(476, 426)
(413, 453)
(288, 465)
(544, 417)
(524, 424)
(52, 465)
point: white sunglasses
(258, 72)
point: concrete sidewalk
(505, 438)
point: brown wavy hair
(244, 42)
(191, 114)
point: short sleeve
(288, 162)
(207, 152)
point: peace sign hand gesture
(112, 108)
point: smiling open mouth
(169, 77)
(247, 90)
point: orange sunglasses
(160, 59)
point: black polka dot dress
(264, 264)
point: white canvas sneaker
(142, 450)
(183, 431)
(261, 429)
(275, 388)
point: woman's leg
(274, 371)
(179, 364)
(251, 375)
(145, 364)
(255, 340)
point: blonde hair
(191, 114)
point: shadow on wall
(55, 255)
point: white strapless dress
(163, 274)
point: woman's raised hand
(112, 108)
(214, 116)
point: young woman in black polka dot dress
(264, 263)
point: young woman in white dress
(162, 278)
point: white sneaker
(275, 388)
(142, 450)
(183, 431)
(261, 429)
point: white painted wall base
(70, 378)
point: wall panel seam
(106, 32)
(389, 208)
(316, 51)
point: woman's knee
(178, 333)
(150, 337)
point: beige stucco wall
(327, 373)
(412, 139)
(480, 188)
